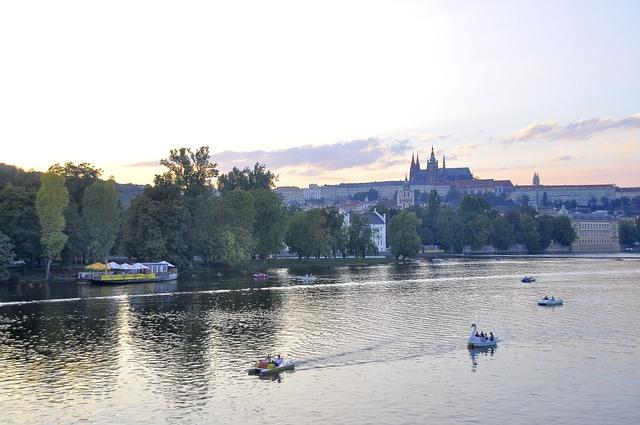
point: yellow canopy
(96, 266)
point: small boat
(528, 279)
(269, 366)
(478, 341)
(260, 276)
(550, 301)
(114, 273)
(436, 260)
(308, 278)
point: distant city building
(536, 179)
(433, 175)
(584, 195)
(378, 224)
(405, 197)
(597, 232)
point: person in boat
(545, 298)
(278, 361)
(491, 336)
(477, 334)
(553, 298)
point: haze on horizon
(326, 92)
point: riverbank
(316, 262)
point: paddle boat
(307, 278)
(479, 341)
(550, 301)
(260, 276)
(436, 260)
(269, 366)
(528, 279)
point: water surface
(378, 344)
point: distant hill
(16, 176)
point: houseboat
(113, 273)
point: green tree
(529, 233)
(335, 226)
(477, 232)
(231, 246)
(235, 209)
(270, 222)
(308, 234)
(402, 234)
(563, 232)
(6, 256)
(192, 172)
(19, 221)
(502, 235)
(545, 231)
(51, 201)
(472, 206)
(360, 237)
(101, 216)
(247, 179)
(628, 232)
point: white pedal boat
(555, 301)
(306, 278)
(480, 342)
(270, 368)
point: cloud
(461, 151)
(578, 130)
(355, 153)
(144, 164)
(563, 158)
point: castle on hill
(433, 174)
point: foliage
(335, 226)
(502, 234)
(360, 237)
(101, 217)
(19, 221)
(231, 245)
(77, 178)
(308, 234)
(6, 256)
(402, 234)
(563, 232)
(51, 201)
(235, 209)
(270, 222)
(629, 232)
(247, 179)
(191, 172)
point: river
(378, 345)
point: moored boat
(528, 279)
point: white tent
(113, 266)
(138, 266)
(166, 264)
(125, 266)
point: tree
(502, 234)
(232, 246)
(101, 214)
(563, 232)
(19, 221)
(51, 201)
(546, 226)
(477, 232)
(308, 234)
(453, 197)
(247, 179)
(335, 225)
(403, 238)
(235, 209)
(270, 222)
(628, 232)
(6, 256)
(77, 178)
(471, 206)
(529, 232)
(192, 172)
(360, 237)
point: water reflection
(482, 352)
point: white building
(405, 197)
(378, 224)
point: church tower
(536, 179)
(432, 165)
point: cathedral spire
(444, 164)
(433, 155)
(413, 162)
(418, 161)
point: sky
(326, 91)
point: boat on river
(476, 341)
(308, 278)
(550, 301)
(528, 279)
(260, 276)
(269, 366)
(114, 273)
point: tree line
(475, 224)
